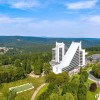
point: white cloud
(57, 28)
(25, 4)
(21, 4)
(82, 4)
(95, 19)
(5, 19)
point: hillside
(18, 41)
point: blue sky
(50, 18)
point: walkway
(92, 78)
(37, 90)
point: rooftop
(94, 56)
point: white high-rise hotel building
(67, 59)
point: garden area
(4, 88)
(22, 88)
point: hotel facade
(67, 59)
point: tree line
(93, 50)
(10, 74)
(96, 70)
(17, 66)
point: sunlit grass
(4, 88)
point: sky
(50, 18)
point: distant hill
(21, 41)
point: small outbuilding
(94, 57)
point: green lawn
(4, 88)
(22, 88)
(91, 95)
(41, 91)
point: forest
(34, 54)
(22, 41)
(15, 66)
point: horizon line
(44, 36)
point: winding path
(37, 90)
(92, 78)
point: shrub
(93, 87)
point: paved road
(91, 77)
(37, 90)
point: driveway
(92, 78)
(37, 90)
